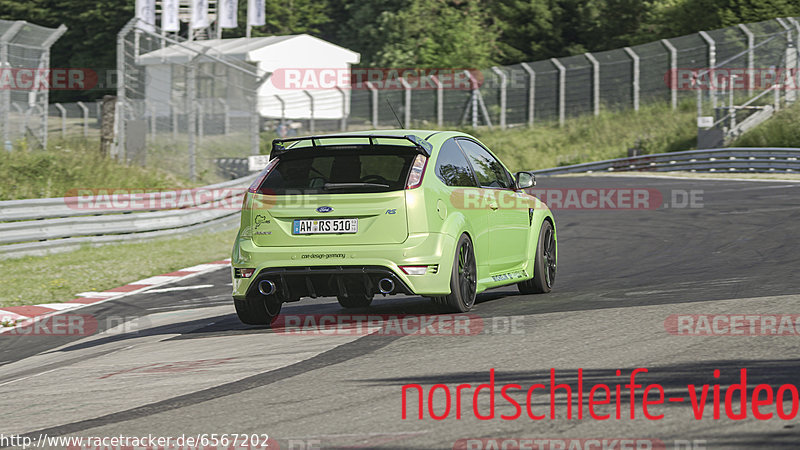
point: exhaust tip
(386, 285)
(266, 287)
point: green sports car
(430, 213)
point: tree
(354, 25)
(670, 18)
(285, 17)
(89, 41)
(437, 33)
(525, 29)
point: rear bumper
(320, 271)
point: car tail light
(414, 270)
(417, 172)
(260, 179)
(244, 273)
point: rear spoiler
(279, 147)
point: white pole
(531, 92)
(595, 82)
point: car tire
(463, 279)
(354, 301)
(257, 310)
(544, 263)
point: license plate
(325, 226)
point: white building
(166, 74)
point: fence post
(255, 126)
(374, 96)
(153, 123)
(119, 115)
(731, 106)
(635, 59)
(283, 107)
(311, 108)
(63, 112)
(699, 104)
(21, 122)
(531, 92)
(796, 24)
(790, 93)
(439, 101)
(44, 62)
(191, 121)
(712, 62)
(173, 109)
(474, 99)
(562, 84)
(5, 108)
(673, 67)
(750, 56)
(343, 125)
(503, 90)
(406, 102)
(595, 82)
(201, 112)
(226, 122)
(45, 109)
(85, 110)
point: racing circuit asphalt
(181, 363)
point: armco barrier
(732, 160)
(40, 226)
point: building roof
(237, 48)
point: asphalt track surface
(178, 362)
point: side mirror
(525, 180)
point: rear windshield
(339, 171)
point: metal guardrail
(733, 160)
(40, 226)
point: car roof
(423, 134)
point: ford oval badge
(324, 209)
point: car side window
(487, 168)
(452, 167)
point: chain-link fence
(699, 66)
(185, 105)
(75, 120)
(182, 104)
(25, 81)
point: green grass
(782, 130)
(73, 164)
(172, 156)
(58, 277)
(656, 128)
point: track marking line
(180, 288)
(29, 314)
(678, 177)
(29, 376)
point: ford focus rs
(424, 213)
